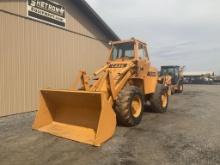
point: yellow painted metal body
(77, 115)
(166, 80)
(84, 113)
(150, 82)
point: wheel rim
(164, 100)
(136, 106)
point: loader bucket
(81, 116)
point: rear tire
(129, 106)
(173, 91)
(159, 100)
(180, 88)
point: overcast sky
(182, 32)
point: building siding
(35, 56)
(76, 20)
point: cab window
(142, 52)
(122, 51)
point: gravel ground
(189, 133)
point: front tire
(129, 106)
(159, 100)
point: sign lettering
(47, 11)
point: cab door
(144, 62)
(176, 75)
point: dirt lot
(189, 133)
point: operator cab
(124, 51)
(173, 71)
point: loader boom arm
(106, 82)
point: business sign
(47, 11)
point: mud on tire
(129, 106)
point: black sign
(117, 65)
(47, 10)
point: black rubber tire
(173, 91)
(180, 88)
(155, 100)
(123, 106)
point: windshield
(123, 51)
(167, 71)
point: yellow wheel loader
(116, 93)
(172, 76)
